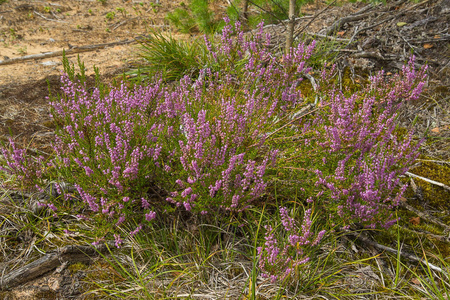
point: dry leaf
(427, 46)
(415, 221)
(340, 33)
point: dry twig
(429, 181)
(48, 19)
(67, 52)
(401, 253)
(315, 17)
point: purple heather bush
(355, 151)
(359, 134)
(108, 147)
(224, 117)
(203, 141)
(209, 144)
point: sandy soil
(34, 27)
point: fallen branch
(48, 19)
(58, 18)
(356, 17)
(313, 18)
(339, 23)
(435, 161)
(118, 24)
(365, 9)
(363, 54)
(49, 262)
(389, 249)
(60, 52)
(429, 181)
(329, 37)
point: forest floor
(370, 38)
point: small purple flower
(150, 216)
(145, 203)
(136, 231)
(186, 192)
(120, 221)
(118, 241)
(52, 207)
(187, 206)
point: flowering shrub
(364, 156)
(278, 259)
(17, 162)
(209, 143)
(202, 142)
(103, 151)
(226, 115)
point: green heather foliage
(226, 142)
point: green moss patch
(434, 195)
